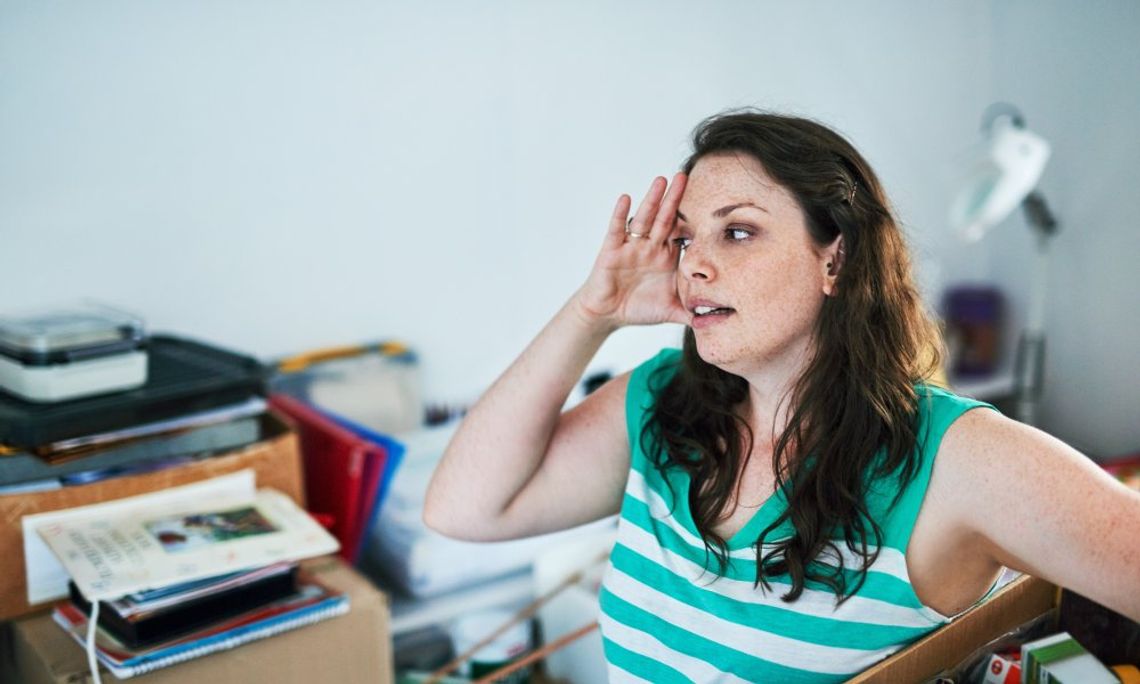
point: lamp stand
(1029, 366)
(1028, 372)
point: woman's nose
(695, 264)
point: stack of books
(183, 573)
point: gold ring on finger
(630, 233)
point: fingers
(647, 210)
(655, 216)
(666, 215)
(615, 235)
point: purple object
(974, 320)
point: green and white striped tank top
(667, 617)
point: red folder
(342, 471)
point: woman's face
(749, 272)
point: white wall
(275, 176)
(1074, 70)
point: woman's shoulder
(667, 357)
(941, 394)
(646, 382)
(652, 375)
(939, 407)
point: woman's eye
(682, 242)
(737, 233)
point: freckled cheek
(768, 285)
(779, 297)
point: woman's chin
(716, 355)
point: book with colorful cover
(112, 553)
(312, 603)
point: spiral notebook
(311, 604)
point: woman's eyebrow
(725, 211)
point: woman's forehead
(720, 180)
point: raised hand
(516, 443)
(633, 281)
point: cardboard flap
(1020, 601)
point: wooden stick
(539, 654)
(529, 610)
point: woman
(796, 503)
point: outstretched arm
(1043, 508)
(518, 467)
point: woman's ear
(835, 256)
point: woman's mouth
(711, 310)
(705, 315)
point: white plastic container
(59, 355)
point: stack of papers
(187, 571)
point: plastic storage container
(183, 377)
(70, 354)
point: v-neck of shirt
(746, 535)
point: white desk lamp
(1004, 173)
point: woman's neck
(769, 404)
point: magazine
(47, 578)
(110, 555)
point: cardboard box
(1019, 601)
(354, 648)
(276, 461)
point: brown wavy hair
(853, 412)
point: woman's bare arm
(508, 435)
(1043, 508)
(517, 466)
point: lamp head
(1005, 170)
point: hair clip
(851, 195)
